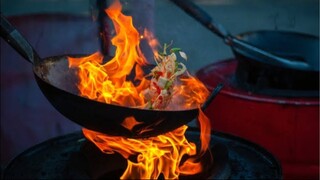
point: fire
(130, 122)
(108, 82)
(154, 156)
(188, 97)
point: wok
(277, 59)
(58, 84)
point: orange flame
(191, 93)
(108, 82)
(205, 130)
(152, 41)
(130, 122)
(155, 155)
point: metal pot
(268, 59)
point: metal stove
(73, 157)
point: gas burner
(72, 156)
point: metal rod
(103, 27)
(212, 96)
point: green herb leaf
(168, 84)
(173, 50)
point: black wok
(280, 60)
(58, 84)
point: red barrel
(287, 127)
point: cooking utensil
(268, 79)
(300, 55)
(58, 84)
(268, 61)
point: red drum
(287, 127)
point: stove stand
(73, 157)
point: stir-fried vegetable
(160, 91)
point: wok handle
(251, 51)
(213, 94)
(264, 56)
(203, 17)
(10, 34)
